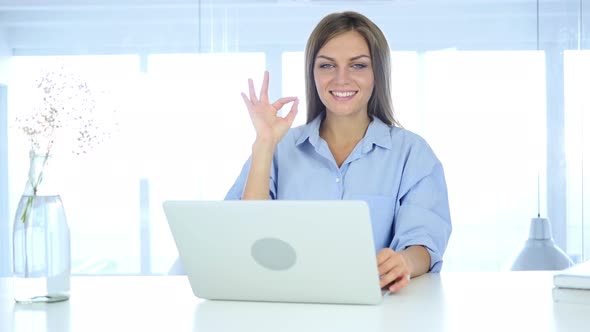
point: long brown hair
(380, 104)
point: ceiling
(99, 26)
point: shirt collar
(378, 133)
(311, 131)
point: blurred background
(498, 88)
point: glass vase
(41, 239)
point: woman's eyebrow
(351, 59)
(325, 57)
(360, 56)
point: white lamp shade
(540, 252)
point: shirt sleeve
(423, 216)
(237, 189)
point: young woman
(352, 147)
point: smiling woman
(499, 97)
(367, 155)
(367, 49)
(343, 75)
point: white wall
(5, 53)
(5, 225)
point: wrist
(408, 258)
(264, 145)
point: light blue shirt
(394, 170)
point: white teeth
(343, 94)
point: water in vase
(41, 244)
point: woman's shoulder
(406, 135)
(402, 137)
(410, 142)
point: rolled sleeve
(237, 189)
(423, 217)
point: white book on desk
(571, 295)
(577, 276)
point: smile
(343, 94)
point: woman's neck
(344, 129)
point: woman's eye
(326, 66)
(359, 66)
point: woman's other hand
(394, 270)
(270, 127)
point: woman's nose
(342, 75)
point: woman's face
(343, 74)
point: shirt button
(337, 179)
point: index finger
(253, 98)
(264, 88)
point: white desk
(510, 301)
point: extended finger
(264, 88)
(246, 101)
(253, 98)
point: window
(473, 110)
(500, 98)
(577, 142)
(182, 133)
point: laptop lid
(277, 250)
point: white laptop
(277, 250)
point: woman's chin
(346, 111)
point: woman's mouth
(343, 95)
